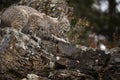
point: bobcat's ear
(61, 16)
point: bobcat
(28, 19)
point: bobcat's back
(17, 16)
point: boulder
(20, 53)
(69, 75)
(112, 72)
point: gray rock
(20, 53)
(32, 77)
(69, 75)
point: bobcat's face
(64, 25)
